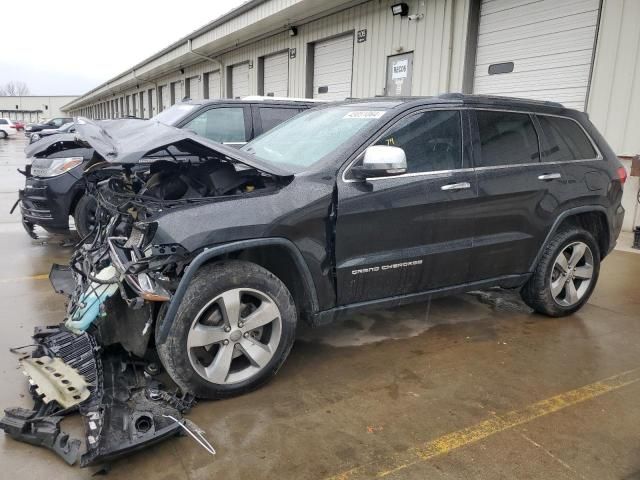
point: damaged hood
(134, 141)
(42, 145)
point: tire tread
(536, 293)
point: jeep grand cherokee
(219, 253)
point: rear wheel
(566, 274)
(84, 215)
(234, 329)
(3, 134)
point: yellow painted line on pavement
(43, 276)
(452, 441)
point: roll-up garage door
(276, 75)
(176, 92)
(164, 98)
(540, 50)
(240, 80)
(194, 91)
(213, 84)
(333, 68)
(151, 98)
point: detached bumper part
(126, 409)
(25, 426)
(122, 418)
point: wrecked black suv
(205, 257)
(213, 255)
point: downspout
(217, 62)
(452, 20)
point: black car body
(53, 123)
(205, 256)
(48, 201)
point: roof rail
(452, 96)
(519, 99)
(259, 98)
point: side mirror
(381, 161)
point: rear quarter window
(565, 140)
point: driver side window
(432, 141)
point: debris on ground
(124, 408)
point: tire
(3, 134)
(84, 215)
(201, 318)
(549, 290)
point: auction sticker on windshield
(367, 114)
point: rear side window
(271, 117)
(220, 125)
(432, 141)
(565, 140)
(3, 122)
(506, 138)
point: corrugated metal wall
(438, 40)
(614, 100)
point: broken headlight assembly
(52, 167)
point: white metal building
(32, 108)
(582, 53)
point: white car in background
(7, 128)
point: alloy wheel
(572, 274)
(234, 336)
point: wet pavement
(470, 386)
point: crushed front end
(101, 361)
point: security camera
(417, 16)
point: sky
(68, 47)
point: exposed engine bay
(120, 256)
(101, 360)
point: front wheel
(233, 330)
(84, 215)
(566, 274)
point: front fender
(219, 250)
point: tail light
(622, 175)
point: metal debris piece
(54, 380)
(195, 432)
(26, 426)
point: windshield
(310, 136)
(172, 114)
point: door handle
(549, 176)
(456, 186)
